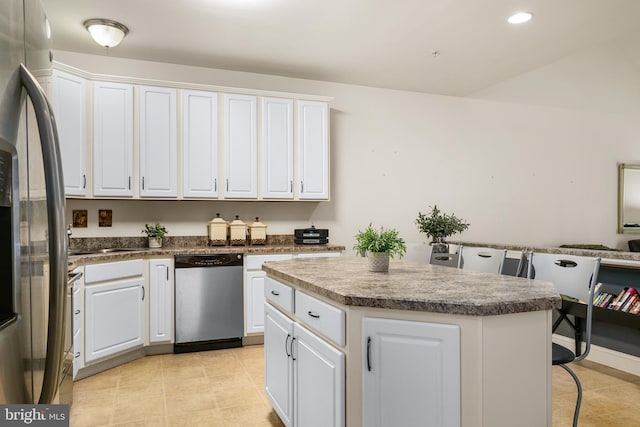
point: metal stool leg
(579, 400)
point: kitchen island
(421, 344)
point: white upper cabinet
(158, 142)
(240, 146)
(313, 150)
(69, 107)
(277, 148)
(112, 139)
(200, 144)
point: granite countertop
(608, 256)
(132, 253)
(417, 287)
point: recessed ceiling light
(520, 17)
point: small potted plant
(155, 233)
(379, 247)
(439, 225)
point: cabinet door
(200, 144)
(158, 142)
(114, 318)
(112, 139)
(254, 301)
(278, 364)
(411, 373)
(277, 149)
(313, 150)
(160, 297)
(240, 146)
(319, 378)
(69, 106)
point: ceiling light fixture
(520, 18)
(106, 32)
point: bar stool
(487, 260)
(574, 277)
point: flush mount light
(106, 32)
(520, 17)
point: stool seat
(561, 355)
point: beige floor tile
(82, 416)
(147, 422)
(238, 396)
(185, 386)
(183, 372)
(208, 418)
(128, 408)
(200, 400)
(251, 415)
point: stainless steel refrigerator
(33, 249)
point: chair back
(486, 260)
(446, 259)
(573, 276)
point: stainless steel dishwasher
(208, 302)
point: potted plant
(439, 225)
(155, 233)
(379, 247)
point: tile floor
(224, 388)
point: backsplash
(93, 243)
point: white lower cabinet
(254, 290)
(160, 300)
(114, 308)
(304, 375)
(411, 373)
(115, 318)
(254, 302)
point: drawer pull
(77, 311)
(314, 315)
(77, 355)
(275, 293)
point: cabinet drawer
(325, 318)
(113, 271)
(254, 262)
(278, 293)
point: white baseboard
(604, 356)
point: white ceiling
(382, 43)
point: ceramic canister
(217, 231)
(238, 232)
(258, 233)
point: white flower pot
(378, 261)
(155, 243)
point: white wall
(518, 173)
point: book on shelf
(632, 299)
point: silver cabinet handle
(215, 184)
(129, 183)
(292, 340)
(227, 184)
(291, 186)
(57, 243)
(369, 354)
(314, 315)
(302, 186)
(167, 273)
(275, 293)
(76, 312)
(143, 293)
(84, 181)
(143, 182)
(77, 355)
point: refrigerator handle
(54, 185)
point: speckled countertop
(417, 287)
(132, 253)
